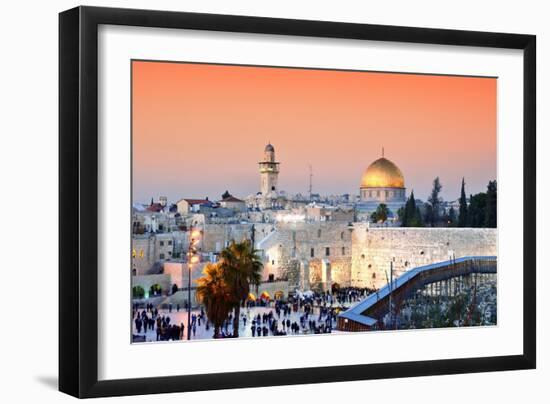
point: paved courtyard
(245, 331)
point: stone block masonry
(374, 248)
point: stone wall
(272, 288)
(218, 236)
(292, 243)
(374, 248)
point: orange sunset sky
(199, 129)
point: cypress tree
(417, 222)
(463, 207)
(411, 216)
(434, 202)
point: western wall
(318, 254)
(374, 248)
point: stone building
(186, 206)
(235, 204)
(307, 254)
(151, 249)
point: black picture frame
(78, 196)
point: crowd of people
(301, 313)
(149, 318)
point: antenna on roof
(310, 181)
(382, 151)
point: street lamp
(192, 258)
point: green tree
(410, 215)
(242, 269)
(401, 214)
(491, 206)
(215, 295)
(417, 219)
(434, 204)
(155, 290)
(381, 214)
(138, 292)
(463, 207)
(452, 216)
(477, 209)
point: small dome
(382, 174)
(269, 148)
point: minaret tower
(269, 171)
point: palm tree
(242, 269)
(215, 295)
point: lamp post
(192, 257)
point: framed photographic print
(250, 201)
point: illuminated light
(195, 234)
(290, 218)
(134, 253)
(194, 259)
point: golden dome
(382, 174)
